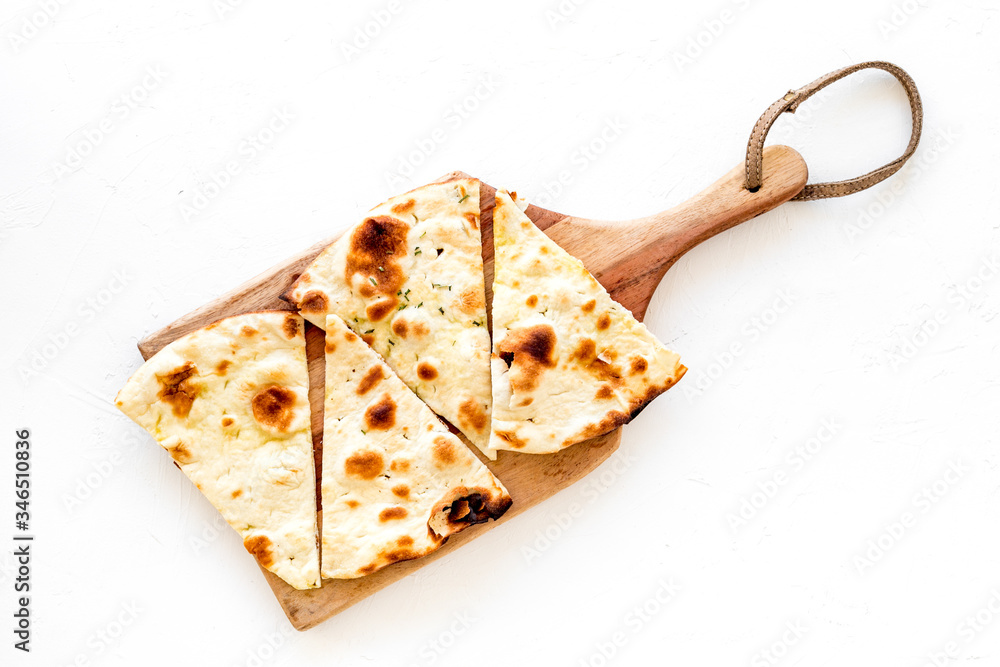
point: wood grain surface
(629, 258)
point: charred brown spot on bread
(399, 327)
(248, 331)
(473, 219)
(274, 407)
(180, 453)
(471, 414)
(399, 465)
(602, 370)
(471, 300)
(374, 375)
(403, 206)
(586, 351)
(392, 514)
(589, 306)
(260, 547)
(369, 339)
(532, 301)
(420, 329)
(365, 464)
(604, 321)
(377, 246)
(290, 326)
(227, 421)
(536, 342)
(375, 240)
(313, 302)
(638, 406)
(381, 416)
(444, 451)
(476, 505)
(612, 420)
(639, 365)
(381, 309)
(426, 371)
(330, 347)
(511, 438)
(390, 555)
(605, 391)
(350, 336)
(237, 493)
(652, 392)
(401, 490)
(223, 366)
(586, 354)
(351, 503)
(177, 389)
(528, 352)
(397, 555)
(402, 552)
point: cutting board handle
(630, 257)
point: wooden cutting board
(629, 258)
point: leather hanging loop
(791, 101)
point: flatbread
(396, 482)
(229, 403)
(569, 363)
(409, 280)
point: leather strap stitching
(791, 101)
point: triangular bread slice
(230, 404)
(569, 363)
(409, 280)
(396, 482)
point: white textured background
(867, 324)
